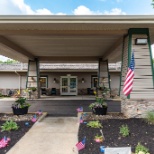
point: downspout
(19, 80)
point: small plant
(124, 130)
(20, 103)
(94, 124)
(99, 103)
(140, 149)
(32, 89)
(9, 125)
(149, 118)
(98, 138)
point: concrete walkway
(53, 135)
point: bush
(20, 103)
(141, 149)
(124, 130)
(9, 125)
(94, 124)
(149, 118)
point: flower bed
(15, 135)
(140, 131)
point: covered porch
(83, 39)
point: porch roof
(60, 39)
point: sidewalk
(53, 135)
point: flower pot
(20, 111)
(100, 111)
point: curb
(44, 114)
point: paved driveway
(59, 107)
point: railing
(46, 66)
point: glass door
(64, 85)
(68, 85)
(73, 85)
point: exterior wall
(114, 83)
(10, 80)
(138, 108)
(143, 84)
(143, 80)
(80, 75)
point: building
(85, 39)
(13, 77)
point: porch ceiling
(67, 38)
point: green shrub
(149, 118)
(124, 130)
(9, 125)
(140, 148)
(94, 124)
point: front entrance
(68, 85)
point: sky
(76, 7)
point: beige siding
(143, 80)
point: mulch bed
(15, 135)
(140, 131)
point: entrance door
(68, 85)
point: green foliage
(99, 103)
(32, 89)
(152, 3)
(21, 103)
(1, 95)
(124, 130)
(94, 124)
(140, 148)
(9, 125)
(100, 137)
(149, 118)
(104, 91)
(9, 61)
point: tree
(152, 3)
(9, 61)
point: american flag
(81, 145)
(80, 109)
(128, 84)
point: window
(94, 81)
(43, 82)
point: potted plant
(99, 107)
(20, 106)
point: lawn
(140, 131)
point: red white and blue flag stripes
(81, 145)
(4, 142)
(128, 84)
